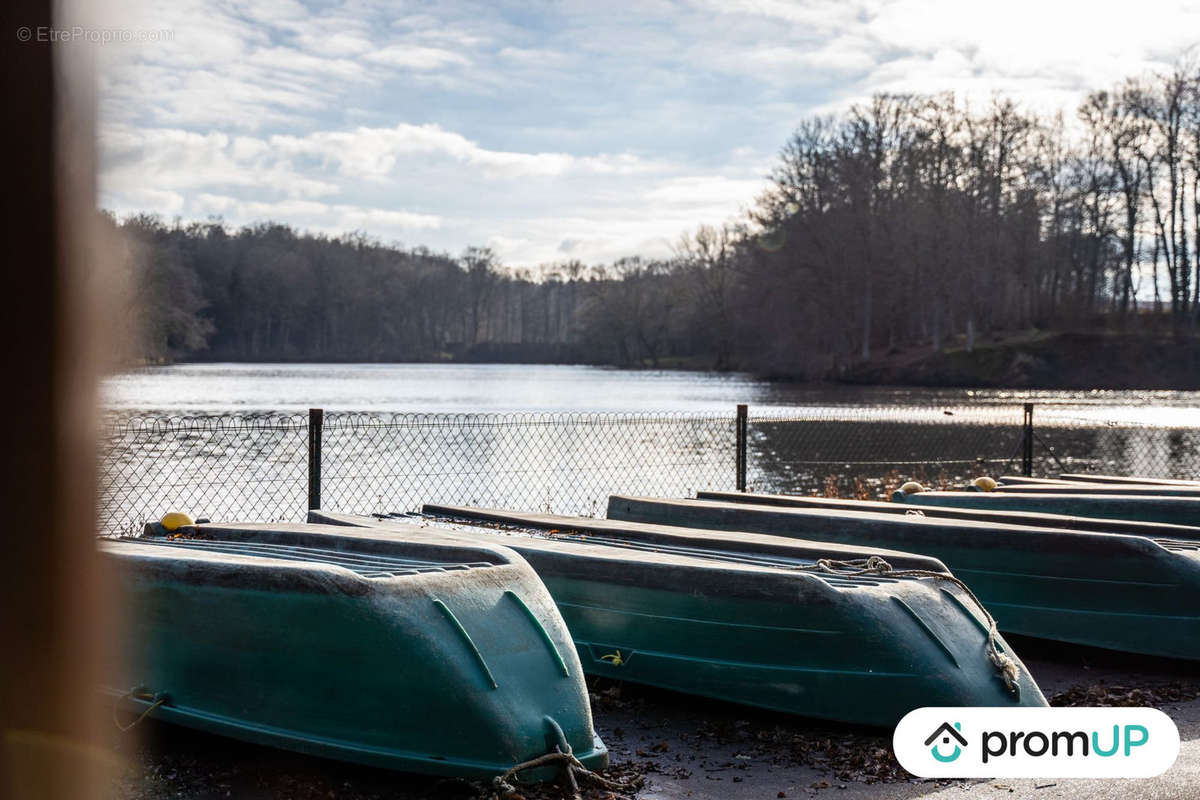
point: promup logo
(1036, 742)
(947, 732)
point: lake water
(467, 388)
(415, 439)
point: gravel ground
(667, 745)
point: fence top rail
(351, 419)
(1173, 423)
(911, 414)
(118, 423)
(132, 425)
(123, 424)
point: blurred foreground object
(53, 622)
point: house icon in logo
(945, 732)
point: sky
(551, 130)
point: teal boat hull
(1154, 530)
(1115, 591)
(442, 657)
(1084, 477)
(694, 612)
(1093, 490)
(1025, 480)
(1168, 510)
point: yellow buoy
(912, 487)
(985, 484)
(174, 520)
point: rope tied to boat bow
(137, 693)
(616, 659)
(875, 565)
(572, 770)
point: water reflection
(215, 388)
(853, 441)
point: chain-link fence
(864, 451)
(565, 463)
(273, 467)
(1080, 444)
(250, 467)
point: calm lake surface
(468, 388)
(859, 441)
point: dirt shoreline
(1059, 360)
(666, 745)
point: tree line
(908, 222)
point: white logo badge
(1036, 742)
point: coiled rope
(572, 768)
(874, 565)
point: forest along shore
(1106, 360)
(906, 224)
(1033, 360)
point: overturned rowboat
(844, 633)
(437, 654)
(1086, 477)
(1027, 480)
(1118, 591)
(1097, 490)
(1171, 510)
(1155, 530)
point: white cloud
(214, 204)
(373, 153)
(263, 65)
(819, 16)
(299, 63)
(1045, 53)
(158, 201)
(705, 194)
(533, 56)
(587, 134)
(372, 219)
(345, 43)
(793, 64)
(423, 58)
(132, 159)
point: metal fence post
(741, 447)
(316, 426)
(1027, 442)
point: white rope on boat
(875, 565)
